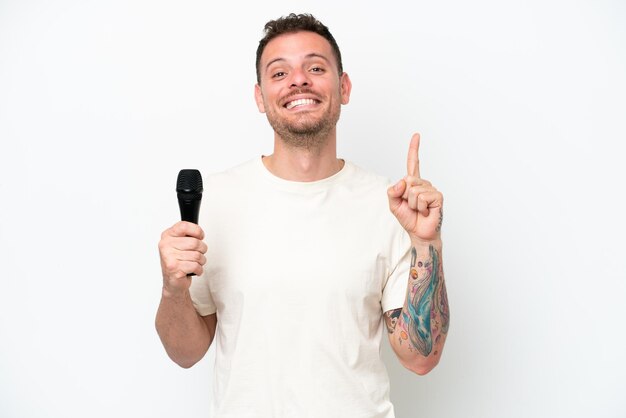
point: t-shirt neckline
(302, 186)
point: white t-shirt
(300, 275)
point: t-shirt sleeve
(394, 291)
(201, 295)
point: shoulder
(371, 208)
(367, 179)
(244, 169)
(369, 191)
(226, 192)
(230, 178)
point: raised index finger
(413, 160)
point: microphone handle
(189, 204)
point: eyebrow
(308, 56)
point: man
(299, 258)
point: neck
(302, 163)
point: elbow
(422, 367)
(185, 364)
(184, 360)
(421, 370)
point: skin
(418, 330)
(296, 66)
(302, 65)
(185, 335)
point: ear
(258, 97)
(346, 88)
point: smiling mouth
(300, 102)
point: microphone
(189, 190)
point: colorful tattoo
(391, 319)
(427, 305)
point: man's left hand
(416, 204)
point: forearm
(183, 332)
(420, 332)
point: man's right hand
(182, 252)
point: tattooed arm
(418, 330)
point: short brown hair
(295, 23)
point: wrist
(418, 243)
(175, 294)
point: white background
(522, 110)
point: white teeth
(299, 102)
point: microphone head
(189, 181)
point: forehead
(296, 45)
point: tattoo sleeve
(391, 319)
(426, 314)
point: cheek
(272, 97)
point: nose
(300, 78)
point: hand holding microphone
(181, 247)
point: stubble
(306, 132)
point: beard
(305, 131)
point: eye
(279, 74)
(317, 70)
